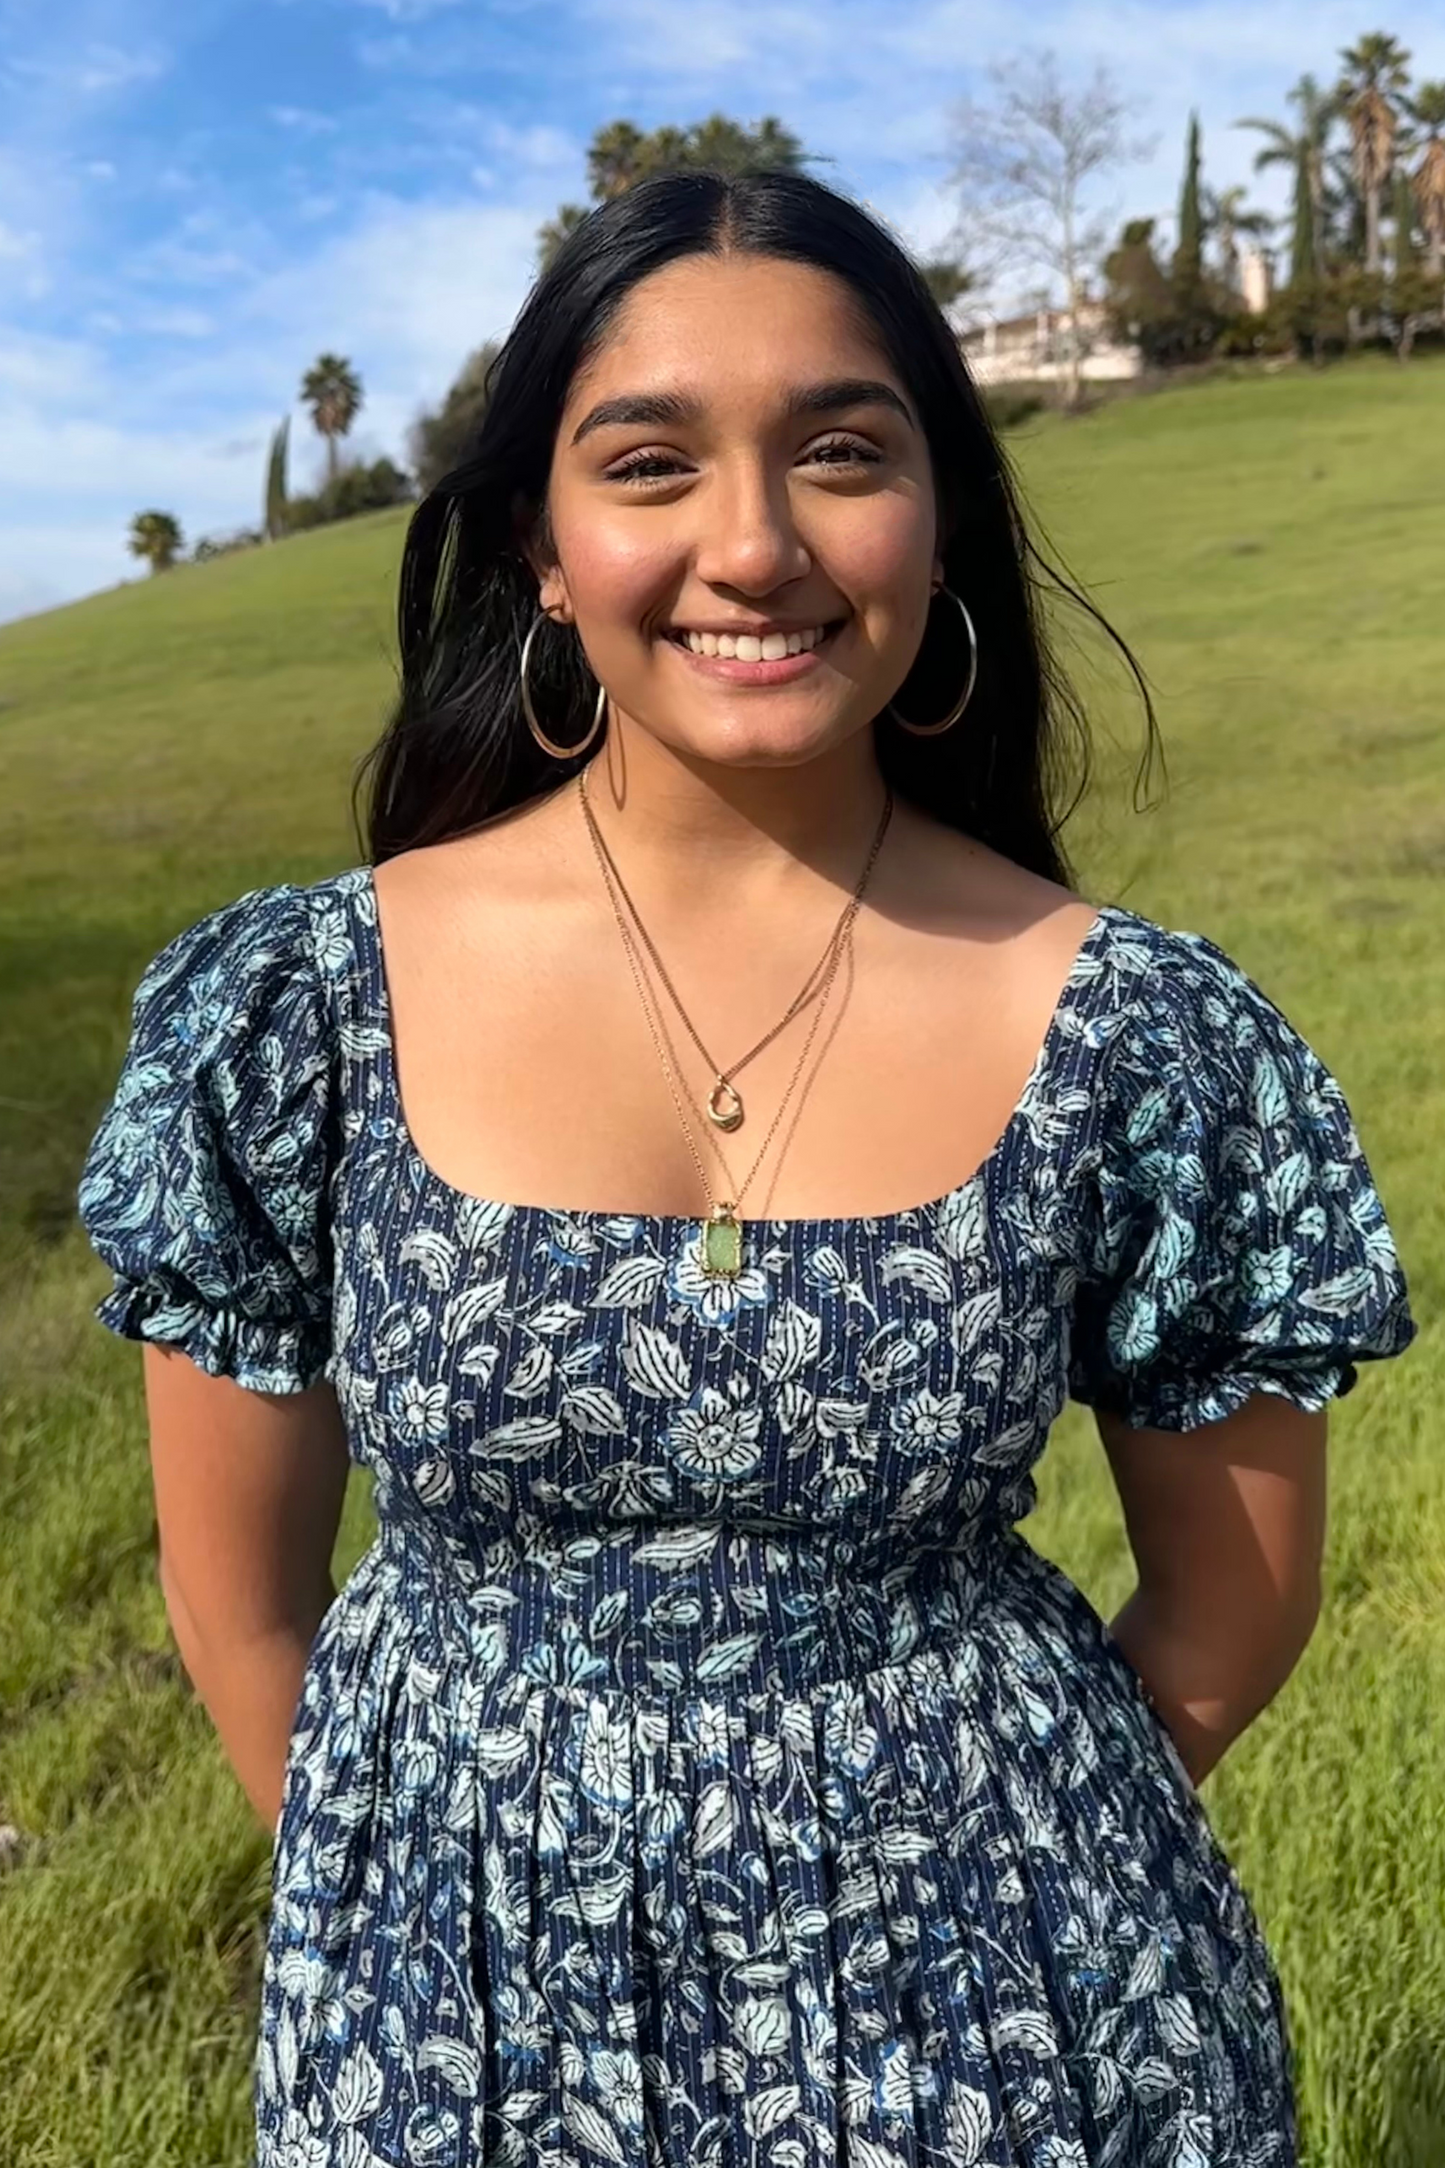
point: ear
(936, 576)
(537, 549)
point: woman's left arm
(1226, 1523)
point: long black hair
(456, 750)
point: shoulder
(268, 959)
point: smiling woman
(701, 1767)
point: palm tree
(1375, 74)
(156, 536)
(1304, 154)
(1226, 217)
(332, 390)
(1427, 111)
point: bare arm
(1227, 1526)
(249, 1489)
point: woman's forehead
(733, 324)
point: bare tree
(1023, 159)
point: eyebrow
(664, 407)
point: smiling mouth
(752, 646)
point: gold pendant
(730, 1114)
(720, 1243)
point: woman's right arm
(249, 1489)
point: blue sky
(198, 196)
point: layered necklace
(720, 1245)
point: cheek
(616, 570)
(879, 552)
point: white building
(1035, 348)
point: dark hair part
(457, 750)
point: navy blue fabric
(700, 1766)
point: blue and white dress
(700, 1770)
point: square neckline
(372, 948)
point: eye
(644, 467)
(844, 452)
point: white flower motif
(617, 2075)
(714, 1297)
(927, 1419)
(605, 1760)
(421, 1411)
(715, 1441)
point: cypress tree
(1189, 256)
(275, 520)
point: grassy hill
(1275, 552)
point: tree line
(1365, 250)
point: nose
(749, 539)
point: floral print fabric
(700, 1767)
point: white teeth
(754, 647)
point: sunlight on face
(740, 459)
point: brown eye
(644, 467)
(844, 452)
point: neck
(692, 832)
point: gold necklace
(720, 1232)
(724, 1102)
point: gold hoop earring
(558, 752)
(936, 730)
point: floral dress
(700, 1770)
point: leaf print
(482, 1224)
(531, 1375)
(887, 1360)
(761, 2025)
(679, 1548)
(969, 2125)
(1152, 2078)
(1287, 1184)
(959, 1227)
(434, 1482)
(1031, 2030)
(825, 1268)
(793, 1338)
(916, 1268)
(457, 2061)
(1268, 1098)
(555, 1317)
(1146, 1974)
(839, 1418)
(793, 1406)
(519, 1440)
(654, 1363)
(869, 2153)
(595, 1411)
(1147, 1115)
(434, 1252)
(714, 1821)
(725, 1658)
(472, 1307)
(1178, 2025)
(1010, 1447)
(592, 2129)
(479, 1361)
(629, 1283)
(768, 2110)
(1339, 1296)
(500, 1750)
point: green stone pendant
(722, 1244)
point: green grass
(1275, 552)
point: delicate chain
(840, 941)
(809, 991)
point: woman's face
(740, 463)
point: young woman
(691, 1164)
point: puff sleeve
(1235, 1242)
(205, 1186)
